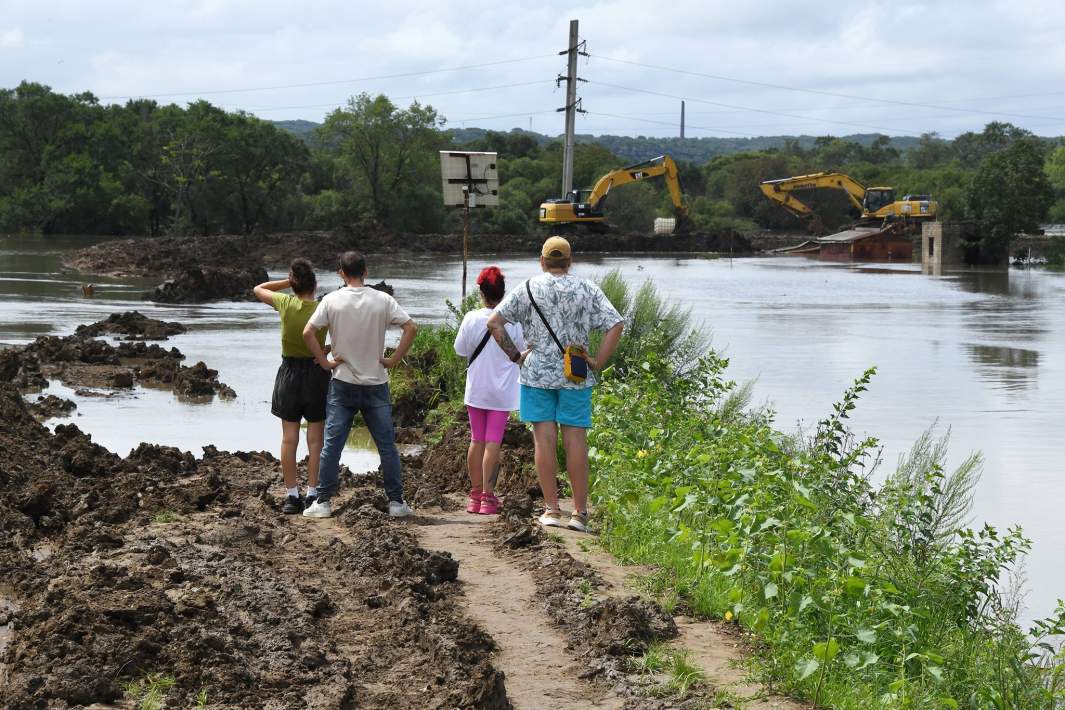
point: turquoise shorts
(567, 407)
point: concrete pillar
(941, 246)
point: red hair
(492, 284)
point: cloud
(903, 67)
(11, 39)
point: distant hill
(299, 127)
(635, 149)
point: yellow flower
(641, 454)
(728, 616)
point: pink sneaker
(473, 505)
(489, 504)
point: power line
(754, 110)
(411, 96)
(334, 82)
(665, 123)
(819, 92)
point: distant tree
(1010, 193)
(387, 155)
(930, 151)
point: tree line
(69, 164)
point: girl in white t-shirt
(492, 391)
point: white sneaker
(319, 509)
(399, 509)
(551, 519)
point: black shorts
(300, 390)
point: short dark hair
(301, 277)
(557, 262)
(353, 264)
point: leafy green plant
(164, 517)
(149, 691)
(859, 594)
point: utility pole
(682, 119)
(572, 106)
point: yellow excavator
(876, 204)
(585, 207)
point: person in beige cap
(558, 312)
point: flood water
(980, 352)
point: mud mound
(73, 348)
(198, 285)
(196, 381)
(51, 407)
(82, 361)
(164, 564)
(140, 349)
(132, 324)
(442, 466)
(21, 369)
(171, 256)
(162, 256)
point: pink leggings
(487, 424)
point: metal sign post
(470, 180)
(465, 237)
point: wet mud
(179, 566)
(209, 283)
(133, 325)
(87, 363)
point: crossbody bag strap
(480, 347)
(528, 289)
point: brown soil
(163, 563)
(172, 256)
(82, 361)
(209, 283)
(568, 622)
(134, 325)
(51, 407)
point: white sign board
(462, 171)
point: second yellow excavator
(876, 204)
(585, 207)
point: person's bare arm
(607, 346)
(410, 329)
(497, 327)
(265, 291)
(310, 336)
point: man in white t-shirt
(357, 317)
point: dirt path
(500, 596)
(713, 648)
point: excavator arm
(586, 207)
(662, 165)
(781, 191)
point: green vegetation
(670, 669)
(164, 517)
(861, 595)
(70, 164)
(149, 692)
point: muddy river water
(979, 352)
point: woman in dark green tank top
(301, 386)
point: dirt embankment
(162, 564)
(173, 257)
(87, 363)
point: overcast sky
(764, 68)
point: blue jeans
(375, 404)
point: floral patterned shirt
(575, 307)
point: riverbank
(857, 593)
(167, 576)
(169, 256)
